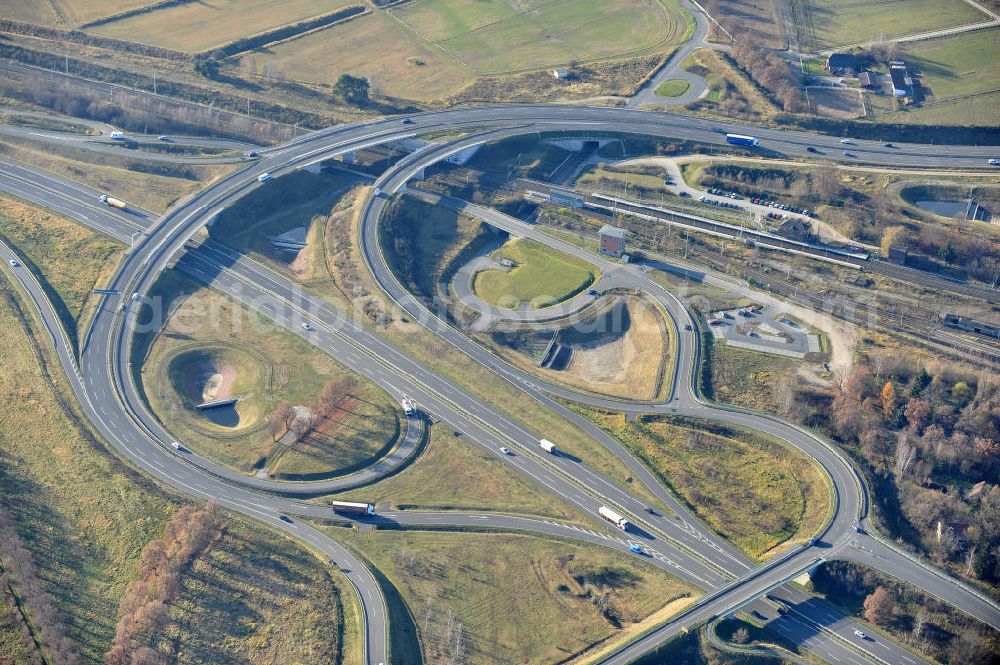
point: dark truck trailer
(740, 139)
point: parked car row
(761, 201)
(731, 195)
(721, 204)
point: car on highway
(846, 141)
(591, 292)
(264, 177)
(162, 138)
(888, 145)
(811, 149)
(860, 635)
(117, 135)
(848, 153)
(135, 297)
(636, 548)
(285, 518)
(14, 263)
(505, 450)
(250, 153)
(306, 326)
(407, 121)
(687, 326)
(995, 162)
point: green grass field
(542, 276)
(411, 69)
(453, 474)
(828, 24)
(672, 88)
(67, 258)
(247, 583)
(441, 46)
(757, 494)
(199, 26)
(66, 13)
(500, 37)
(360, 429)
(518, 599)
(960, 80)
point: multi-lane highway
(111, 397)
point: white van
(263, 177)
(117, 135)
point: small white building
(560, 73)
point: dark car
(407, 121)
(889, 145)
(811, 149)
(591, 292)
(286, 518)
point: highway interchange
(106, 387)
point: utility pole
(154, 81)
(66, 61)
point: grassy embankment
(154, 185)
(540, 277)
(451, 474)
(85, 515)
(747, 378)
(69, 260)
(501, 595)
(269, 365)
(760, 495)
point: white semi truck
(613, 517)
(113, 202)
(547, 446)
(352, 508)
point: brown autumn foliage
(144, 608)
(46, 620)
(879, 606)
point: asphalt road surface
(110, 397)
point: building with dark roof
(902, 84)
(613, 240)
(840, 62)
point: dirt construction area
(836, 102)
(621, 349)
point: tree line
(44, 622)
(145, 607)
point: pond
(945, 208)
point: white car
(176, 445)
(306, 326)
(14, 264)
(505, 450)
(263, 177)
(847, 141)
(860, 635)
(117, 135)
(135, 297)
(995, 162)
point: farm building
(560, 73)
(613, 240)
(902, 84)
(869, 80)
(839, 63)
